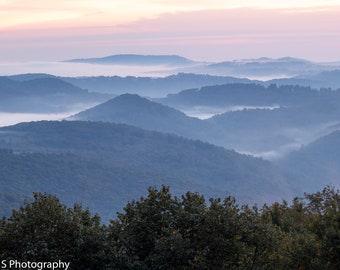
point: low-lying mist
(66, 69)
(7, 119)
(206, 112)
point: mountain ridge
(135, 59)
(213, 169)
(44, 94)
(141, 112)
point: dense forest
(106, 158)
(161, 231)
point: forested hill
(141, 112)
(317, 163)
(150, 86)
(213, 170)
(45, 94)
(102, 188)
(250, 95)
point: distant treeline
(161, 231)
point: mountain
(160, 87)
(141, 112)
(266, 121)
(175, 161)
(303, 115)
(263, 68)
(272, 133)
(250, 94)
(44, 94)
(135, 59)
(100, 187)
(316, 164)
(149, 86)
(30, 76)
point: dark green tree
(46, 230)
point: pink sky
(212, 30)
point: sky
(205, 30)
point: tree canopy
(162, 231)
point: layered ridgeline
(269, 122)
(250, 94)
(158, 87)
(264, 67)
(102, 164)
(136, 60)
(144, 113)
(44, 94)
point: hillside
(141, 112)
(157, 87)
(46, 94)
(104, 189)
(149, 86)
(211, 170)
(316, 163)
(276, 132)
(249, 94)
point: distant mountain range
(301, 115)
(135, 59)
(262, 68)
(162, 86)
(249, 94)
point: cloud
(202, 35)
(75, 12)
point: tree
(46, 230)
(165, 232)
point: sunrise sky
(211, 30)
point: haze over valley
(212, 131)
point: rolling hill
(44, 94)
(141, 112)
(148, 157)
(315, 165)
(249, 94)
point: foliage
(162, 231)
(46, 230)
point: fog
(7, 119)
(299, 137)
(206, 112)
(66, 69)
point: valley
(117, 136)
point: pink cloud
(202, 35)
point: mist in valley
(243, 130)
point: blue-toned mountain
(144, 113)
(44, 94)
(131, 158)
